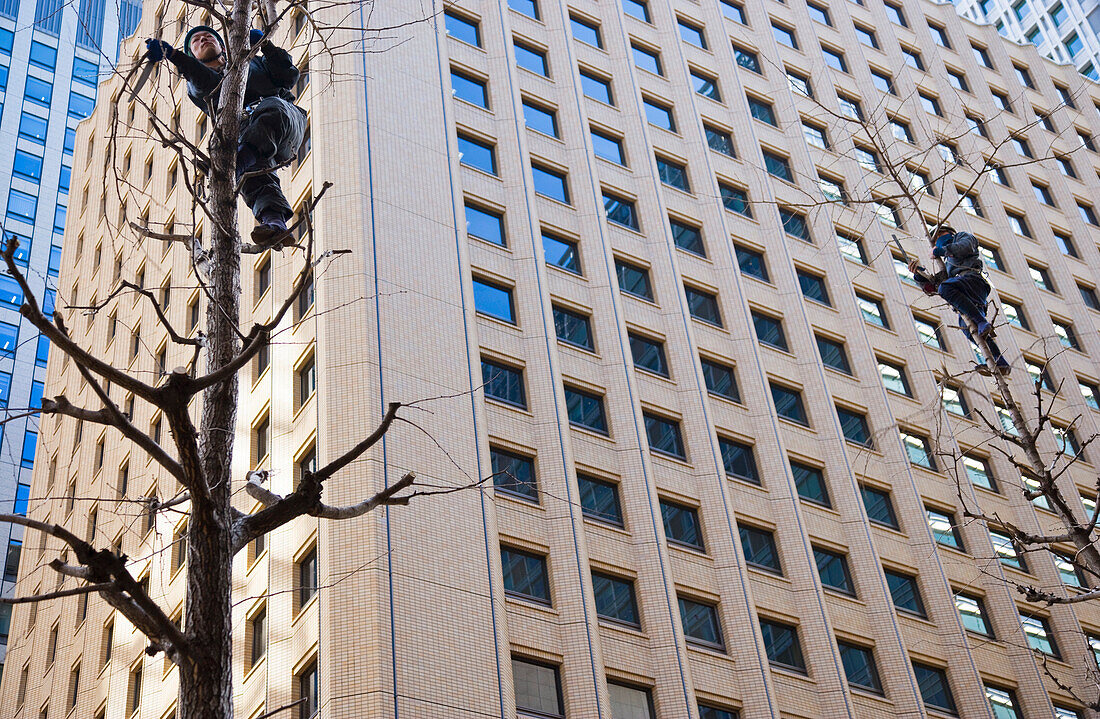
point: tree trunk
(206, 672)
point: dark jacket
(272, 74)
(960, 253)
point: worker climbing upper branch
(272, 126)
(963, 284)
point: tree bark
(206, 673)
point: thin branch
(86, 589)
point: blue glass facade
(52, 56)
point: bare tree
(202, 438)
(933, 184)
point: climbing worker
(272, 126)
(962, 284)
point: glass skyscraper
(52, 56)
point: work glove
(156, 50)
(254, 36)
(939, 251)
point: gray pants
(273, 131)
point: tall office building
(721, 422)
(52, 55)
(1065, 30)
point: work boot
(271, 230)
(1003, 367)
(985, 329)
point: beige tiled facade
(418, 614)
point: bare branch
(87, 589)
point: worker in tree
(962, 283)
(272, 126)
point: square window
(799, 84)
(514, 474)
(477, 154)
(596, 88)
(705, 85)
(646, 59)
(759, 548)
(853, 426)
(934, 687)
(778, 166)
(1089, 297)
(769, 330)
(784, 36)
(673, 174)
(819, 13)
(503, 383)
(813, 287)
(637, 9)
(586, 31)
(735, 199)
(648, 354)
(630, 701)
(1039, 635)
(633, 280)
(493, 300)
(794, 223)
(687, 237)
(833, 355)
(781, 645)
(815, 136)
(531, 58)
(788, 404)
(692, 34)
(945, 530)
(878, 506)
(659, 114)
(462, 28)
(867, 36)
(469, 88)
(834, 59)
(734, 11)
(894, 12)
(538, 688)
(1005, 551)
(573, 328)
(894, 377)
(884, 83)
(904, 592)
(585, 409)
(703, 305)
(919, 450)
(615, 599)
(872, 311)
(832, 568)
(751, 262)
(859, 666)
(550, 183)
(485, 224)
(599, 499)
(762, 110)
(700, 622)
(681, 525)
(664, 436)
(525, 575)
(747, 59)
(810, 483)
(540, 119)
(720, 380)
(608, 147)
(972, 614)
(719, 140)
(738, 460)
(561, 253)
